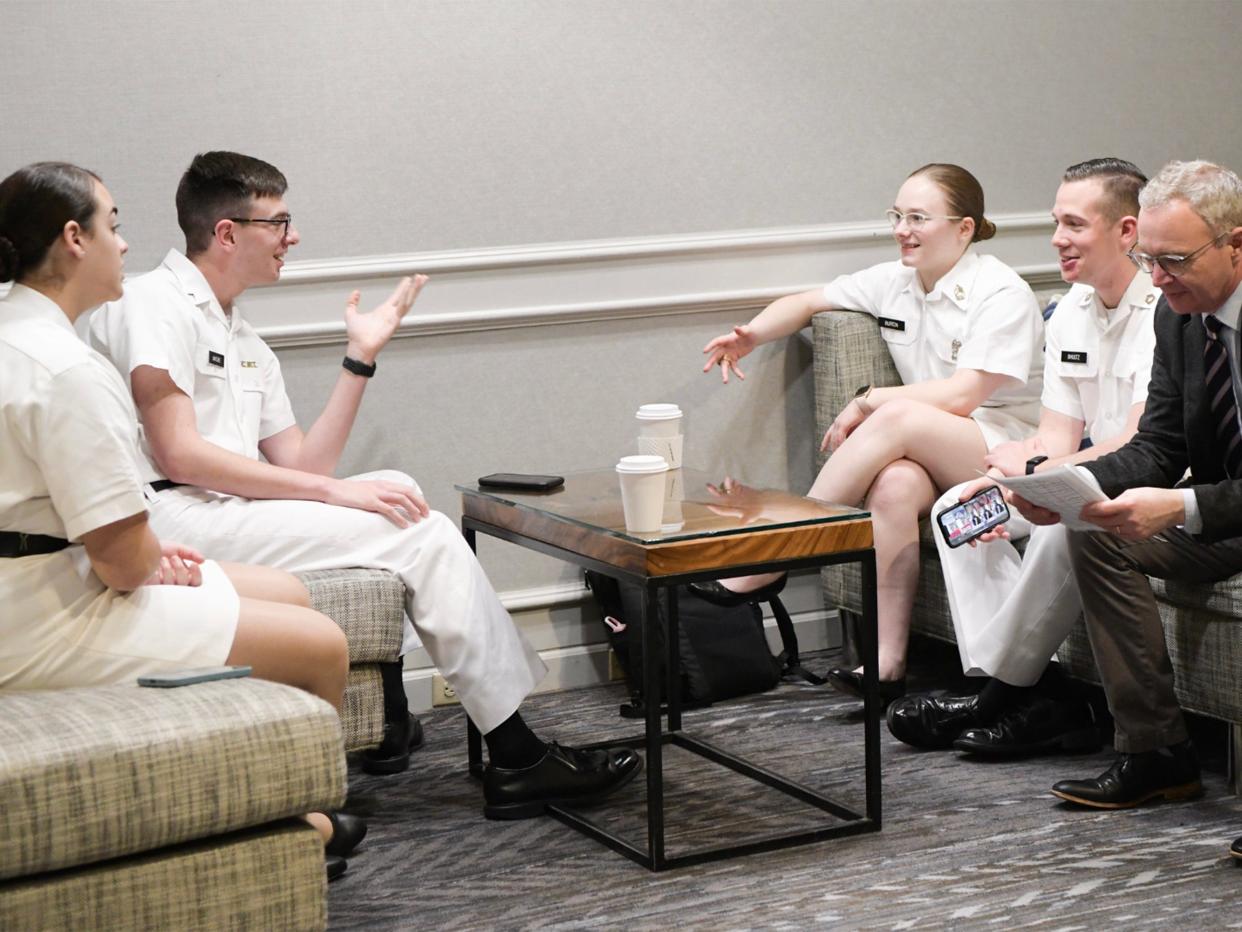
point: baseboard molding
(587, 664)
(554, 284)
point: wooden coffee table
(709, 534)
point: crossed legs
(895, 462)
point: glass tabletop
(696, 505)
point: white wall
(409, 126)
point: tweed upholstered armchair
(369, 606)
(1203, 624)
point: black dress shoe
(1042, 726)
(336, 866)
(851, 683)
(565, 775)
(393, 755)
(932, 722)
(712, 591)
(1170, 773)
(1235, 850)
(347, 833)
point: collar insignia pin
(959, 292)
(954, 347)
(1150, 297)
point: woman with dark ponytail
(966, 336)
(90, 596)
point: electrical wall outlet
(442, 693)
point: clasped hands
(179, 566)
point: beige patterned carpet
(964, 845)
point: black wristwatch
(358, 368)
(1033, 462)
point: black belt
(161, 484)
(17, 544)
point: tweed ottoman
(136, 808)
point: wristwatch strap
(1033, 462)
(358, 368)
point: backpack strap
(791, 665)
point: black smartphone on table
(963, 522)
(521, 482)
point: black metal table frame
(654, 737)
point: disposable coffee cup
(642, 491)
(660, 432)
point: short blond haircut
(1212, 191)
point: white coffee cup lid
(642, 463)
(658, 412)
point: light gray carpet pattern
(965, 845)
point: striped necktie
(1220, 396)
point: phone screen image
(975, 516)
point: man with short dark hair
(211, 399)
(1011, 611)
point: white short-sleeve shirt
(170, 319)
(980, 315)
(68, 431)
(1097, 362)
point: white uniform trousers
(467, 632)
(1010, 614)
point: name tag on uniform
(892, 323)
(215, 359)
(1074, 356)
(249, 364)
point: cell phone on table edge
(521, 482)
(190, 677)
(965, 521)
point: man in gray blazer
(1190, 238)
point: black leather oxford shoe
(393, 755)
(712, 591)
(564, 776)
(1235, 850)
(851, 683)
(1042, 726)
(932, 722)
(347, 833)
(336, 866)
(1170, 773)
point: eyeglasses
(914, 220)
(284, 221)
(1172, 265)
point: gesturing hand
(726, 350)
(397, 502)
(370, 332)
(179, 566)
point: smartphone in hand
(963, 522)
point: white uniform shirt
(980, 315)
(68, 430)
(170, 319)
(1097, 362)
